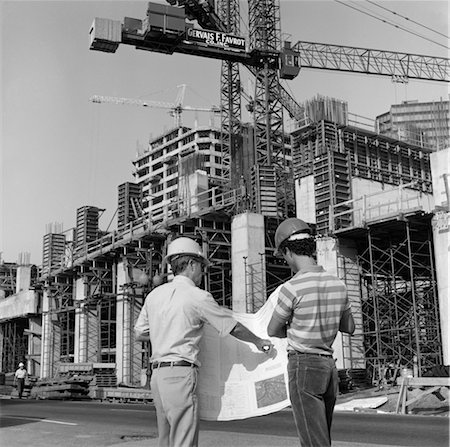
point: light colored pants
(175, 399)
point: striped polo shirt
(312, 302)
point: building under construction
(379, 207)
(370, 198)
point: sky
(59, 151)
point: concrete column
(80, 348)
(128, 351)
(327, 258)
(123, 328)
(23, 278)
(247, 245)
(34, 345)
(2, 338)
(47, 338)
(441, 239)
(86, 325)
(339, 260)
(440, 174)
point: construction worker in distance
(312, 307)
(19, 379)
(172, 319)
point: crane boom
(176, 109)
(370, 61)
(98, 99)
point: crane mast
(270, 164)
(230, 97)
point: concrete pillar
(441, 239)
(339, 260)
(247, 246)
(81, 334)
(47, 339)
(34, 345)
(86, 325)
(128, 351)
(2, 338)
(23, 278)
(440, 174)
(123, 327)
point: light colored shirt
(174, 314)
(313, 302)
(21, 373)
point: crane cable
(407, 18)
(395, 25)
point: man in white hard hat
(312, 306)
(19, 379)
(172, 319)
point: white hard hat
(184, 246)
(21, 364)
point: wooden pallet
(433, 385)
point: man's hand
(242, 333)
(265, 346)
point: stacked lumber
(125, 395)
(71, 388)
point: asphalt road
(38, 423)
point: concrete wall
(18, 305)
(23, 278)
(374, 200)
(440, 176)
(305, 199)
(440, 171)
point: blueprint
(237, 381)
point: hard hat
(184, 246)
(21, 364)
(288, 228)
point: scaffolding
(8, 273)
(14, 343)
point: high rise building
(424, 124)
(170, 161)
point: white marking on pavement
(49, 421)
(119, 409)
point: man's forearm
(243, 333)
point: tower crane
(165, 30)
(176, 108)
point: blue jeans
(313, 387)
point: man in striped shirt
(312, 306)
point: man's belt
(156, 365)
(309, 353)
